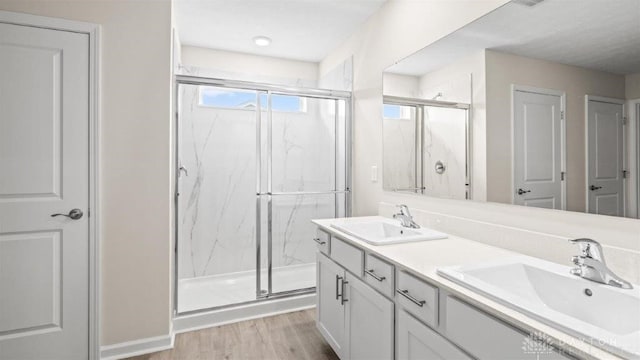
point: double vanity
(388, 289)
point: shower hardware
(440, 168)
(182, 169)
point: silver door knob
(74, 214)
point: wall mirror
(536, 104)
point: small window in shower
(285, 103)
(227, 99)
(217, 97)
(396, 112)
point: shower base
(234, 288)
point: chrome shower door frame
(264, 89)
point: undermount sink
(601, 315)
(386, 231)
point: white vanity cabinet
(356, 320)
(330, 316)
(488, 338)
(369, 308)
(369, 322)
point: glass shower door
(254, 168)
(306, 179)
(216, 211)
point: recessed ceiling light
(262, 41)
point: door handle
(522, 192)
(338, 278)
(594, 188)
(74, 214)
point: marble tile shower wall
(444, 140)
(399, 142)
(217, 204)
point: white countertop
(423, 259)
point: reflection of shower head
(438, 95)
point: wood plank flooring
(289, 336)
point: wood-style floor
(288, 336)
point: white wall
(506, 69)
(398, 29)
(135, 159)
(632, 86)
(245, 67)
(401, 85)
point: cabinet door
(417, 341)
(330, 309)
(369, 322)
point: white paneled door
(538, 149)
(44, 170)
(605, 167)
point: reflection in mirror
(553, 118)
(426, 150)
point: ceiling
(300, 29)
(596, 34)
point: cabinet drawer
(417, 341)
(417, 297)
(379, 275)
(348, 256)
(322, 240)
(485, 337)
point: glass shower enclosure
(255, 163)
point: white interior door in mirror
(605, 144)
(44, 128)
(538, 149)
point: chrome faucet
(591, 265)
(405, 218)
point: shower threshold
(240, 287)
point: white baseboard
(241, 313)
(136, 347)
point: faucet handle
(589, 248)
(404, 210)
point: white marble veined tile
(217, 203)
(445, 141)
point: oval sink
(385, 232)
(599, 314)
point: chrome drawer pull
(319, 241)
(374, 275)
(405, 293)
